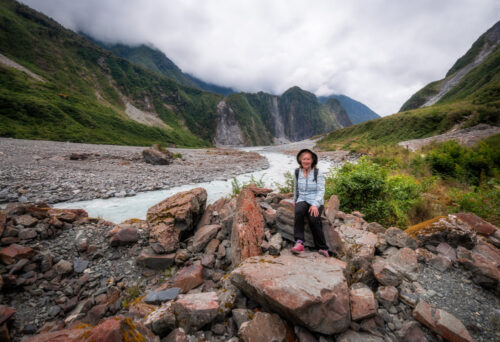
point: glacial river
(120, 209)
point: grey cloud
(379, 52)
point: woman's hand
(313, 211)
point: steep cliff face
(300, 111)
(264, 119)
(481, 51)
(338, 112)
(227, 132)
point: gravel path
(41, 171)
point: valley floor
(35, 171)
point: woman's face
(306, 160)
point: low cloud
(378, 52)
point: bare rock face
(248, 228)
(193, 311)
(308, 290)
(441, 322)
(174, 216)
(157, 156)
(263, 327)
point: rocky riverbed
(44, 171)
(224, 272)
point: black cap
(314, 156)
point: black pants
(301, 211)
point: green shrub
(237, 187)
(482, 201)
(287, 187)
(366, 187)
(451, 160)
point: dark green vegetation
(398, 187)
(356, 111)
(82, 99)
(367, 187)
(154, 60)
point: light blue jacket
(309, 191)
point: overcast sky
(378, 52)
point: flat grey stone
(159, 297)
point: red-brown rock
(6, 313)
(449, 229)
(203, 236)
(4, 333)
(3, 222)
(259, 191)
(411, 332)
(309, 290)
(68, 215)
(177, 335)
(248, 228)
(120, 329)
(363, 303)
(188, 278)
(484, 262)
(155, 261)
(441, 322)
(14, 252)
(263, 327)
(195, 310)
(392, 270)
(174, 215)
(124, 236)
(26, 220)
(332, 208)
(387, 296)
(478, 224)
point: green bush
(287, 187)
(451, 160)
(237, 187)
(482, 201)
(366, 187)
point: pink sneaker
(324, 253)
(298, 248)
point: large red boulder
(310, 291)
(248, 228)
(174, 216)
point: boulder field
(224, 272)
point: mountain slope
(357, 111)
(458, 80)
(473, 99)
(156, 61)
(89, 94)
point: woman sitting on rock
(308, 193)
